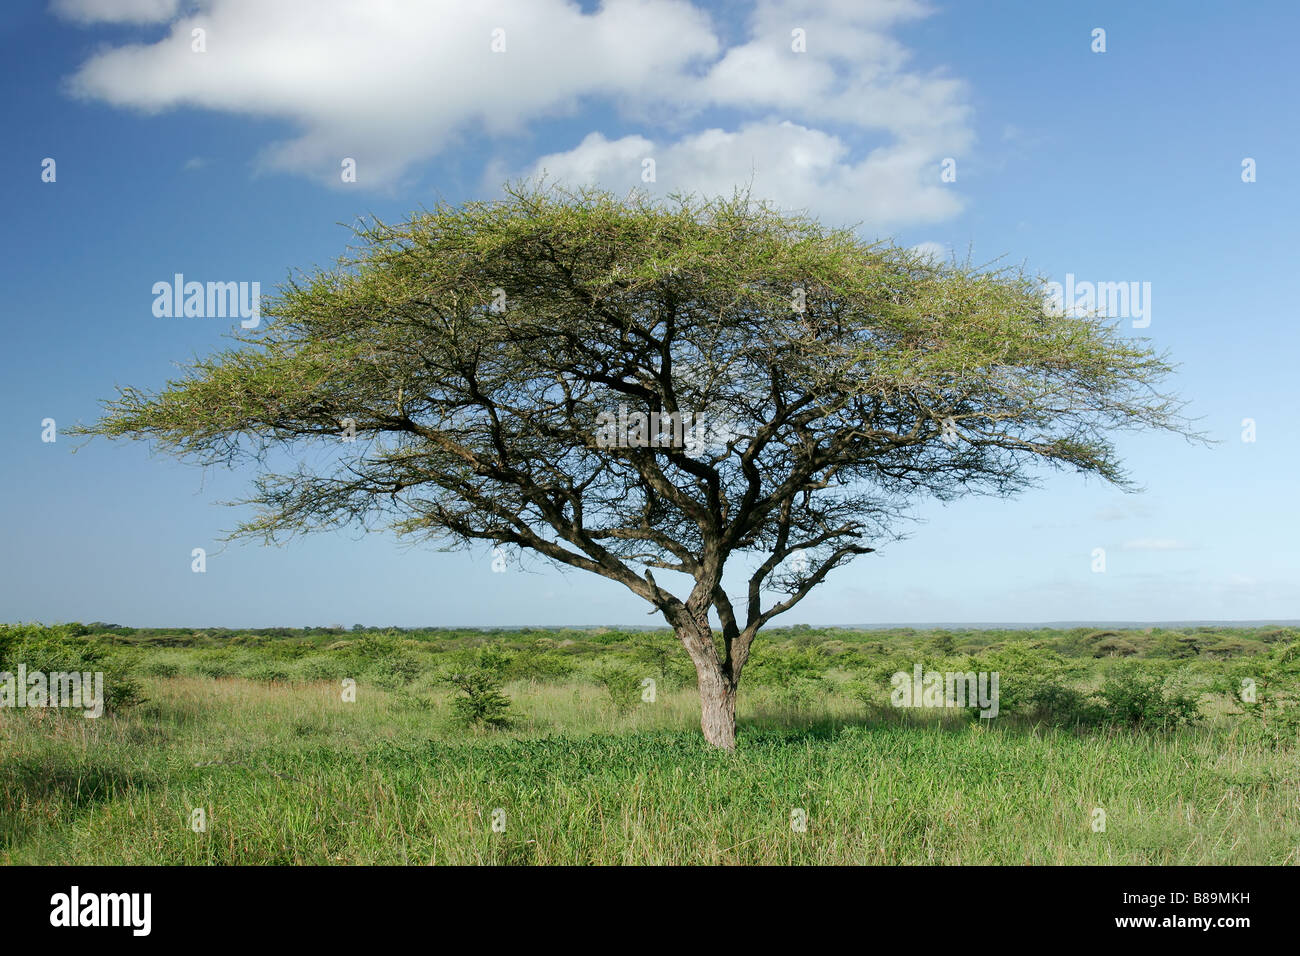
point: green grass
(290, 774)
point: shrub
(385, 660)
(800, 693)
(66, 647)
(1115, 647)
(319, 667)
(1138, 696)
(537, 663)
(477, 679)
(942, 643)
(622, 686)
(159, 668)
(1060, 704)
(870, 694)
(664, 655)
(1034, 682)
(270, 672)
(216, 664)
(779, 667)
(1275, 678)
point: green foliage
(942, 643)
(158, 668)
(1175, 645)
(1274, 680)
(1138, 697)
(665, 657)
(219, 663)
(781, 667)
(622, 686)
(386, 659)
(325, 667)
(270, 671)
(68, 648)
(477, 679)
(537, 662)
(1115, 647)
(799, 694)
(1034, 682)
(791, 679)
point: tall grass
(289, 773)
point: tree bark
(717, 709)
(716, 685)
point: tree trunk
(718, 709)
(717, 689)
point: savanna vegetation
(369, 745)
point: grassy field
(253, 729)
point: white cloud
(788, 163)
(932, 250)
(392, 84)
(846, 128)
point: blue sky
(1115, 166)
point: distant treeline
(1212, 641)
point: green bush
(780, 667)
(386, 660)
(216, 664)
(537, 663)
(319, 667)
(271, 672)
(1034, 683)
(66, 648)
(799, 693)
(622, 686)
(1060, 704)
(663, 655)
(1139, 696)
(1274, 714)
(158, 668)
(477, 679)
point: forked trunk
(718, 710)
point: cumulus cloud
(395, 83)
(816, 104)
(799, 167)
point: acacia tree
(779, 392)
